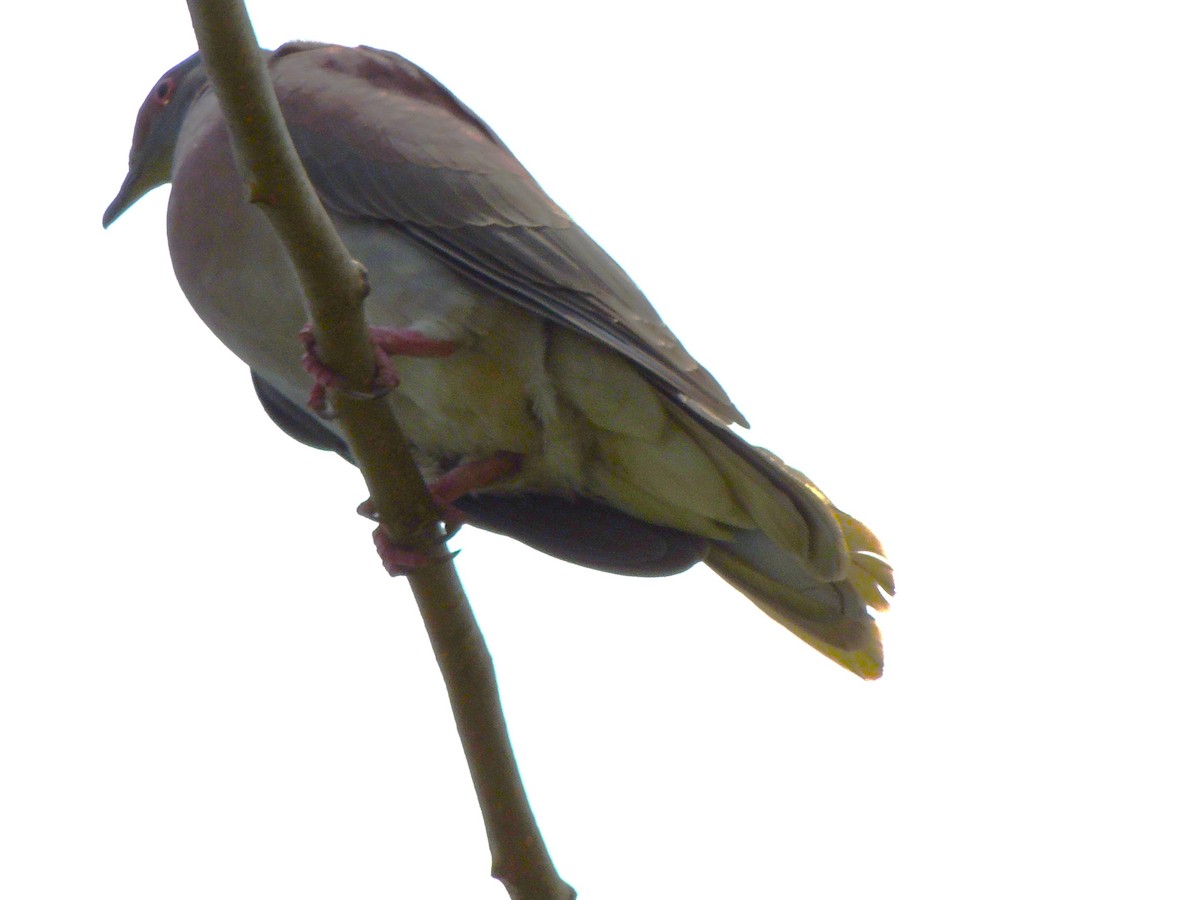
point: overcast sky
(942, 255)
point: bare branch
(335, 287)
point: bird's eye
(164, 91)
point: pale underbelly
(582, 419)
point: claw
(399, 560)
(462, 479)
(388, 342)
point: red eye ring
(164, 91)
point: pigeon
(529, 370)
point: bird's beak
(135, 186)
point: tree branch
(335, 287)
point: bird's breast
(492, 394)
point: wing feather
(421, 161)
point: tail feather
(667, 460)
(783, 504)
(811, 567)
(830, 617)
(870, 571)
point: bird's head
(156, 132)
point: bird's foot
(475, 475)
(400, 560)
(388, 342)
(462, 479)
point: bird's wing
(383, 140)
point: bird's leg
(462, 479)
(388, 342)
(468, 477)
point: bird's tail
(808, 565)
(831, 616)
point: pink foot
(399, 560)
(474, 475)
(462, 479)
(388, 342)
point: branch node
(364, 280)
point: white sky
(942, 255)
